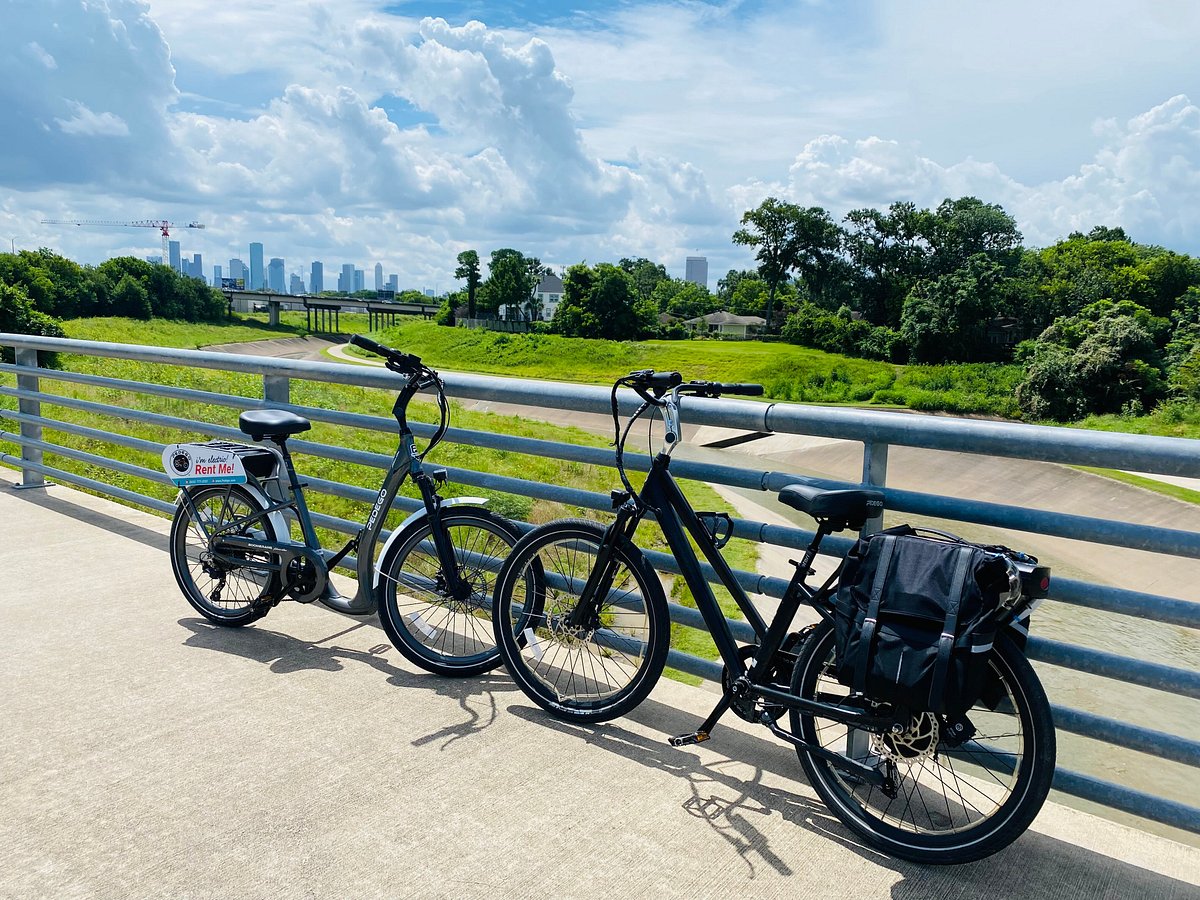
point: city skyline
(545, 128)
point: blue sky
(406, 132)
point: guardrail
(876, 430)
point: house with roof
(723, 324)
(545, 299)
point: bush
(17, 316)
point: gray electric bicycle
(582, 623)
(234, 558)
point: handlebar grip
(664, 380)
(397, 361)
(745, 390)
(371, 346)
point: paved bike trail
(147, 753)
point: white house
(548, 293)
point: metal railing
(876, 430)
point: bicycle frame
(675, 516)
(406, 463)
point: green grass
(743, 554)
(787, 372)
(185, 335)
(1151, 484)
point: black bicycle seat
(853, 507)
(272, 423)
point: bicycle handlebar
(405, 363)
(420, 377)
(717, 388)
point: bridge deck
(146, 753)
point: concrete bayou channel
(1013, 482)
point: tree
(967, 227)
(946, 318)
(818, 244)
(18, 316)
(468, 268)
(509, 283)
(728, 284)
(645, 275)
(890, 252)
(1105, 359)
(131, 299)
(601, 303)
(536, 271)
(772, 230)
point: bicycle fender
(413, 519)
(250, 487)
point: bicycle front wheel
(433, 627)
(224, 591)
(952, 802)
(589, 671)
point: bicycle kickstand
(704, 732)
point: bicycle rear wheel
(582, 673)
(227, 594)
(437, 631)
(952, 804)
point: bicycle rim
(951, 804)
(591, 671)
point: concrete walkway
(148, 754)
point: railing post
(875, 456)
(277, 389)
(30, 478)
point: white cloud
(39, 53)
(647, 135)
(84, 121)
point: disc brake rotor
(917, 742)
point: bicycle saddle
(272, 423)
(853, 507)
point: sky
(406, 132)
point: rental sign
(197, 464)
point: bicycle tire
(579, 675)
(997, 788)
(431, 629)
(250, 588)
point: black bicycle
(234, 558)
(582, 624)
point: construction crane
(161, 224)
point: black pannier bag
(915, 618)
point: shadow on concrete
(285, 654)
(45, 498)
(1034, 866)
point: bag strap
(870, 622)
(946, 641)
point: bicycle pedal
(685, 740)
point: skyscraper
(379, 276)
(393, 283)
(198, 266)
(257, 276)
(217, 276)
(174, 256)
(696, 270)
(297, 284)
(275, 279)
(316, 281)
(346, 279)
(360, 279)
(237, 270)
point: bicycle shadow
(284, 654)
(710, 783)
(1031, 867)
